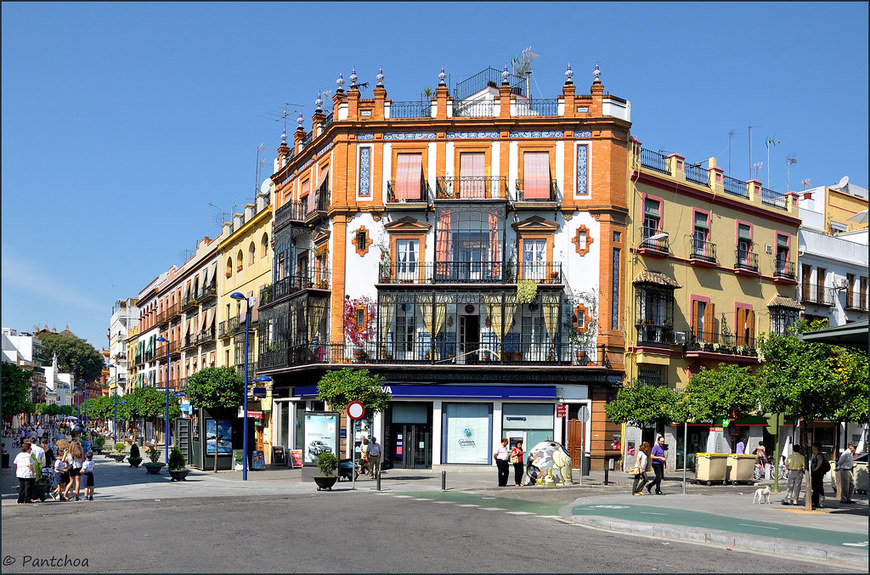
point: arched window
(239, 257)
(264, 245)
(229, 266)
(251, 254)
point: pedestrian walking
(741, 447)
(844, 472)
(374, 458)
(657, 455)
(364, 456)
(75, 459)
(25, 471)
(501, 456)
(88, 475)
(640, 463)
(795, 464)
(818, 467)
(516, 459)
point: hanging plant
(527, 290)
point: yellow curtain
(434, 321)
(316, 310)
(550, 308)
(386, 310)
(501, 309)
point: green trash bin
(739, 468)
(710, 467)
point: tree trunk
(808, 502)
(834, 475)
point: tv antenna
(282, 116)
(731, 133)
(749, 141)
(758, 166)
(260, 163)
(220, 216)
(788, 162)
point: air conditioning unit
(768, 249)
(680, 337)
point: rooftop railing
(696, 174)
(734, 186)
(410, 109)
(654, 161)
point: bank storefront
(444, 424)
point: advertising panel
(219, 432)
(468, 432)
(321, 434)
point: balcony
(208, 292)
(706, 343)
(784, 272)
(855, 303)
(817, 295)
(735, 187)
(189, 302)
(410, 109)
(473, 109)
(746, 263)
(702, 254)
(188, 342)
(471, 188)
(292, 212)
(654, 335)
(316, 206)
(551, 194)
(654, 161)
(231, 326)
(774, 199)
(469, 272)
(658, 247)
(697, 175)
(205, 336)
(441, 353)
(417, 196)
(541, 107)
(290, 285)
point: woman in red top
(517, 460)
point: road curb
(834, 556)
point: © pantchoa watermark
(52, 561)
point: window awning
(651, 208)
(150, 344)
(323, 175)
(409, 174)
(744, 233)
(536, 175)
(655, 278)
(783, 301)
(209, 317)
(306, 188)
(701, 220)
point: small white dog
(762, 495)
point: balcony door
(406, 259)
(469, 338)
(470, 254)
(534, 259)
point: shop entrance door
(575, 442)
(413, 446)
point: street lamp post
(166, 430)
(240, 296)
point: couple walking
(658, 460)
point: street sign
(259, 392)
(583, 413)
(561, 410)
(355, 410)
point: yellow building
(246, 267)
(132, 370)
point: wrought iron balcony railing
(775, 199)
(551, 196)
(229, 327)
(715, 342)
(816, 294)
(542, 107)
(473, 109)
(702, 251)
(319, 279)
(417, 195)
(292, 211)
(734, 186)
(660, 245)
(654, 161)
(410, 109)
(784, 269)
(469, 272)
(655, 335)
(471, 188)
(746, 260)
(696, 174)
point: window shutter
(708, 321)
(740, 327)
(750, 327)
(536, 175)
(695, 321)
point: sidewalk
(722, 516)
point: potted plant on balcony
(527, 291)
(177, 464)
(153, 467)
(134, 459)
(328, 463)
(118, 454)
(582, 323)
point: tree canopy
(339, 388)
(102, 407)
(812, 380)
(646, 405)
(74, 355)
(145, 403)
(16, 389)
(215, 388)
(722, 392)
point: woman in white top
(25, 471)
(641, 462)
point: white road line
(549, 516)
(758, 526)
(444, 502)
(420, 499)
(520, 513)
(468, 505)
(492, 509)
(403, 496)
(652, 513)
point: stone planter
(178, 474)
(134, 461)
(154, 468)
(118, 457)
(325, 482)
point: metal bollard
(379, 481)
(606, 470)
(443, 480)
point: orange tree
(215, 388)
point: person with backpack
(819, 465)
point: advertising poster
(468, 434)
(258, 461)
(295, 458)
(237, 460)
(321, 435)
(219, 432)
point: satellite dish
(844, 181)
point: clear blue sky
(121, 123)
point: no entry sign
(355, 410)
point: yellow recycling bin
(710, 467)
(739, 468)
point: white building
(125, 317)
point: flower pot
(359, 355)
(153, 468)
(134, 461)
(118, 457)
(325, 482)
(178, 474)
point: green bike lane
(788, 528)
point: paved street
(413, 525)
